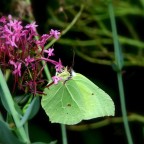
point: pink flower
(10, 17)
(20, 48)
(45, 37)
(54, 33)
(11, 41)
(12, 32)
(49, 52)
(7, 30)
(3, 19)
(17, 67)
(13, 63)
(28, 60)
(15, 24)
(41, 42)
(59, 66)
(31, 27)
(56, 79)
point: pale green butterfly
(75, 98)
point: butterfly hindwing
(97, 102)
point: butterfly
(75, 98)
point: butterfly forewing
(63, 103)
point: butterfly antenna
(73, 58)
(72, 65)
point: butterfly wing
(76, 99)
(97, 103)
(63, 103)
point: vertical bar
(64, 134)
(119, 64)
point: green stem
(64, 135)
(10, 103)
(118, 57)
(67, 28)
(47, 72)
(123, 107)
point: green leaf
(22, 99)
(1, 117)
(6, 135)
(3, 100)
(31, 110)
(5, 104)
(76, 99)
(11, 105)
(39, 143)
(53, 142)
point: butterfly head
(65, 74)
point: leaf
(6, 135)
(39, 143)
(6, 97)
(22, 99)
(31, 110)
(53, 142)
(1, 117)
(3, 100)
(5, 104)
(76, 99)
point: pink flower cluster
(22, 50)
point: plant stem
(119, 64)
(10, 103)
(134, 117)
(47, 72)
(64, 135)
(123, 108)
(67, 28)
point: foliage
(91, 36)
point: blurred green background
(90, 41)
